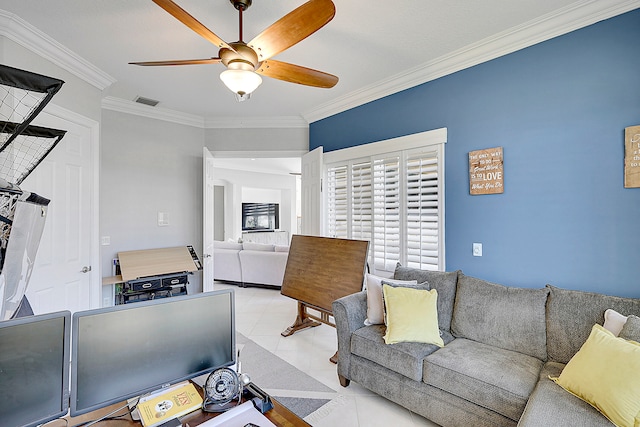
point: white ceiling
(373, 46)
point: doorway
(234, 176)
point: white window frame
(405, 146)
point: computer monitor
(127, 350)
(34, 369)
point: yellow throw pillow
(411, 315)
(605, 373)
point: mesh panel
(25, 151)
(8, 201)
(22, 147)
(23, 95)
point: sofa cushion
(497, 379)
(411, 315)
(572, 314)
(251, 246)
(262, 267)
(443, 282)
(226, 264)
(432, 403)
(227, 245)
(605, 372)
(550, 405)
(404, 358)
(631, 329)
(502, 316)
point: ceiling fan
(245, 62)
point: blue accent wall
(559, 110)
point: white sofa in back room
(249, 263)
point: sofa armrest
(349, 314)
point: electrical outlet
(477, 249)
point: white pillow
(281, 248)
(375, 307)
(614, 321)
(251, 246)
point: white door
(311, 193)
(62, 277)
(207, 220)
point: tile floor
(262, 314)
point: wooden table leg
(302, 322)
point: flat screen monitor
(128, 350)
(260, 216)
(34, 369)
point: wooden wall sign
(632, 157)
(486, 174)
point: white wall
(150, 166)
(257, 139)
(261, 188)
(260, 195)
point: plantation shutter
(386, 212)
(337, 202)
(361, 195)
(423, 211)
(390, 193)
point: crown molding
(256, 122)
(158, 113)
(570, 18)
(21, 32)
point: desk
(279, 415)
(152, 273)
(155, 262)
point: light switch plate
(163, 219)
(477, 249)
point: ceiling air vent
(146, 101)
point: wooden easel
(319, 271)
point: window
(337, 203)
(387, 213)
(361, 211)
(393, 199)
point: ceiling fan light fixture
(243, 59)
(241, 82)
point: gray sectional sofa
(501, 345)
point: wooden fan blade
(178, 62)
(296, 74)
(191, 22)
(292, 28)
